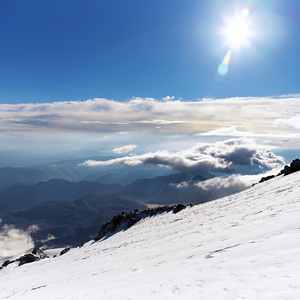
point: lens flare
(227, 58)
(223, 67)
(245, 12)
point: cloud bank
(256, 115)
(230, 156)
(102, 124)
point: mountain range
(71, 211)
(67, 213)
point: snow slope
(244, 246)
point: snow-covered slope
(244, 246)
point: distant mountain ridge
(23, 197)
(73, 170)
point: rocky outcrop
(293, 167)
(35, 255)
(126, 220)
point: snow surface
(244, 246)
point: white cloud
(293, 122)
(124, 149)
(14, 242)
(168, 98)
(234, 183)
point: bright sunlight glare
(237, 30)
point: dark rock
(294, 167)
(126, 220)
(65, 251)
(266, 178)
(7, 262)
(178, 208)
(27, 258)
(39, 253)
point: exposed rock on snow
(126, 220)
(64, 251)
(292, 168)
(35, 255)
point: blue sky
(77, 50)
(78, 76)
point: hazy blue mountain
(127, 176)
(22, 197)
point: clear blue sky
(80, 49)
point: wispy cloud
(219, 185)
(232, 131)
(124, 149)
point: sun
(237, 30)
(237, 33)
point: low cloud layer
(230, 156)
(15, 242)
(233, 184)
